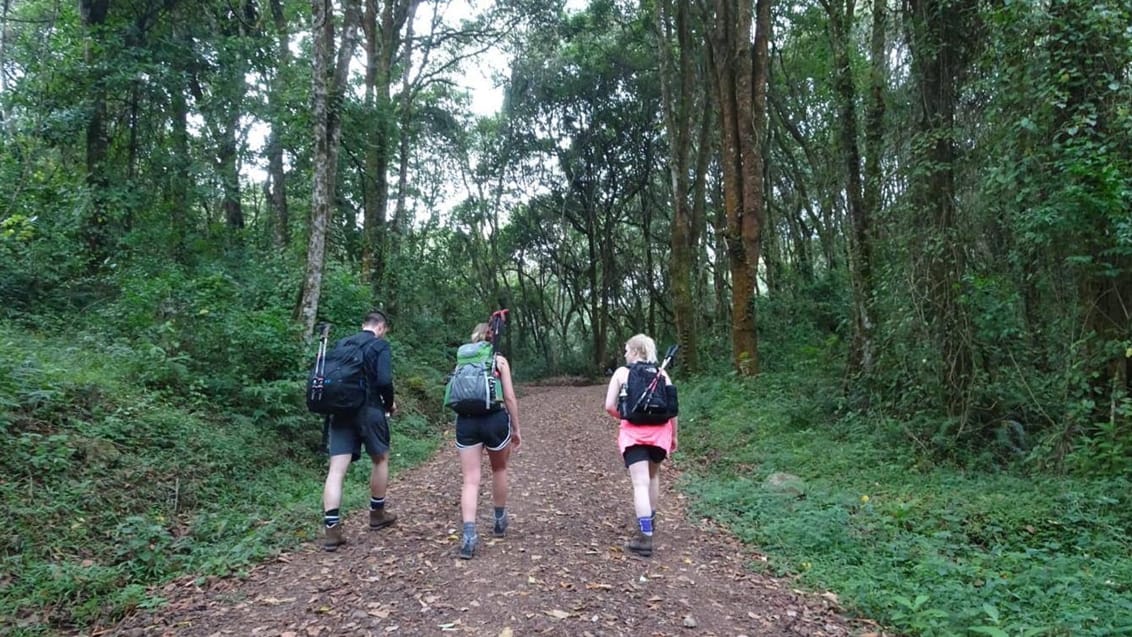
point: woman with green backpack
(489, 422)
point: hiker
(369, 426)
(497, 431)
(643, 447)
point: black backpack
(337, 384)
(646, 399)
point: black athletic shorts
(638, 453)
(492, 430)
(346, 434)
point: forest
(893, 241)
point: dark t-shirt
(379, 371)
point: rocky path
(560, 570)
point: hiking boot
(333, 538)
(380, 518)
(500, 528)
(468, 547)
(641, 544)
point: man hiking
(368, 426)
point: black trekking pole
(495, 324)
(647, 394)
(318, 383)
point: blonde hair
(642, 348)
(480, 333)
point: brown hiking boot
(380, 519)
(641, 544)
(333, 538)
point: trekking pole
(495, 323)
(668, 356)
(320, 362)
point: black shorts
(639, 453)
(493, 430)
(346, 434)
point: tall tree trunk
(329, 86)
(840, 14)
(5, 7)
(871, 193)
(96, 223)
(707, 310)
(1092, 56)
(680, 104)
(277, 194)
(400, 215)
(181, 177)
(741, 75)
(940, 30)
(228, 165)
(382, 27)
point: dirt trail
(560, 570)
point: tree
(97, 221)
(841, 14)
(740, 78)
(277, 185)
(383, 43)
(942, 37)
(682, 98)
(330, 68)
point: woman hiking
(496, 431)
(643, 447)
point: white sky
(478, 78)
(487, 97)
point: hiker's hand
(516, 439)
(392, 409)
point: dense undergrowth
(115, 481)
(926, 548)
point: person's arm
(509, 399)
(613, 391)
(383, 375)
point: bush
(926, 548)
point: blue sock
(331, 518)
(646, 525)
(500, 512)
(376, 504)
(469, 530)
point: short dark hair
(375, 317)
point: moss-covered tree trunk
(329, 84)
(940, 44)
(741, 74)
(679, 100)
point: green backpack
(473, 389)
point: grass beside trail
(921, 548)
(112, 488)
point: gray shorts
(348, 434)
(492, 430)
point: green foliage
(138, 487)
(928, 550)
